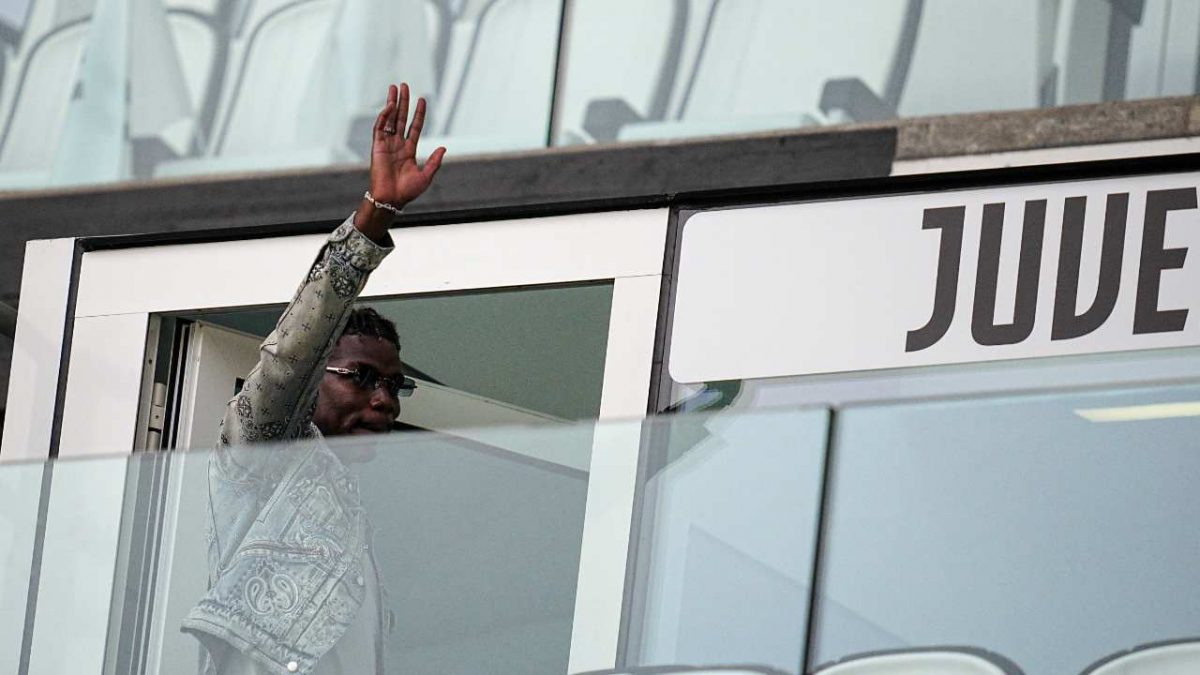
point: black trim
(824, 498)
(660, 380)
(64, 362)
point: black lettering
(1147, 317)
(950, 221)
(984, 328)
(1068, 324)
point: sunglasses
(369, 379)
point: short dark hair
(369, 323)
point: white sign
(951, 277)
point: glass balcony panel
(474, 538)
(20, 492)
(1040, 532)
(729, 515)
(1052, 529)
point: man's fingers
(400, 117)
(418, 122)
(386, 121)
(433, 163)
(384, 115)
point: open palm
(396, 177)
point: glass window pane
(705, 67)
(728, 523)
(20, 492)
(480, 357)
(1052, 529)
(464, 552)
(972, 379)
(261, 85)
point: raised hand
(396, 178)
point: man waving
(293, 586)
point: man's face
(345, 408)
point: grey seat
(72, 119)
(604, 89)
(688, 670)
(764, 64)
(1163, 48)
(1175, 657)
(37, 90)
(981, 55)
(497, 76)
(923, 661)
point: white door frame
(118, 290)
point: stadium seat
(196, 42)
(1163, 49)
(68, 119)
(37, 89)
(273, 58)
(309, 57)
(1081, 50)
(767, 63)
(688, 670)
(1177, 657)
(608, 88)
(923, 661)
(499, 70)
(982, 55)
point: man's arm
(278, 396)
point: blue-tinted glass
(105, 90)
(1052, 529)
(728, 523)
(706, 67)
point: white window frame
(119, 289)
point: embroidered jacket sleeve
(278, 397)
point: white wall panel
(103, 385)
(37, 349)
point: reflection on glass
(104, 90)
(475, 544)
(1014, 525)
(20, 489)
(1125, 369)
(1022, 532)
(729, 523)
(706, 67)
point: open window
(528, 322)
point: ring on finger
(389, 130)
